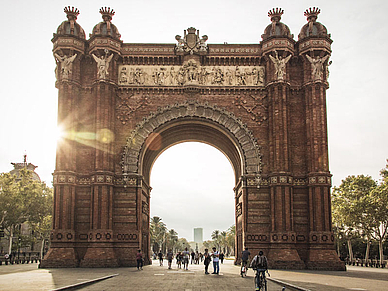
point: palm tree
(230, 239)
(158, 231)
(222, 239)
(215, 237)
(172, 239)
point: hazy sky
(357, 104)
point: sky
(356, 101)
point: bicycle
(261, 280)
(244, 268)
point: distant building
(28, 166)
(198, 235)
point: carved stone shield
(191, 39)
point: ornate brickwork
(263, 105)
(251, 150)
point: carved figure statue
(181, 77)
(261, 76)
(173, 75)
(229, 77)
(203, 76)
(317, 66)
(240, 77)
(159, 76)
(280, 65)
(123, 76)
(327, 70)
(139, 76)
(202, 43)
(103, 64)
(181, 43)
(66, 65)
(191, 71)
(218, 76)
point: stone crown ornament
(71, 12)
(275, 14)
(107, 13)
(312, 13)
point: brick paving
(29, 277)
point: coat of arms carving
(191, 42)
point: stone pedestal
(100, 257)
(60, 258)
(284, 257)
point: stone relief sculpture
(191, 42)
(102, 64)
(317, 66)
(66, 65)
(191, 73)
(280, 65)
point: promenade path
(155, 277)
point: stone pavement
(29, 277)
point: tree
(158, 232)
(230, 239)
(215, 237)
(172, 239)
(376, 208)
(349, 206)
(23, 200)
(182, 243)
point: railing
(367, 263)
(20, 258)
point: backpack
(260, 262)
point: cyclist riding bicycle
(260, 264)
(244, 262)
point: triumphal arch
(122, 104)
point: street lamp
(19, 241)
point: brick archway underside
(191, 121)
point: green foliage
(360, 209)
(223, 240)
(25, 200)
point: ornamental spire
(312, 14)
(107, 13)
(72, 13)
(275, 14)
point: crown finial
(312, 13)
(107, 13)
(275, 14)
(71, 12)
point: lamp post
(19, 241)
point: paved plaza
(155, 277)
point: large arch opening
(191, 122)
(192, 187)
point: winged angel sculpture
(102, 64)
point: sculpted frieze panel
(191, 73)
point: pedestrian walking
(179, 260)
(192, 257)
(207, 260)
(216, 261)
(186, 258)
(170, 255)
(139, 260)
(160, 256)
(222, 256)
